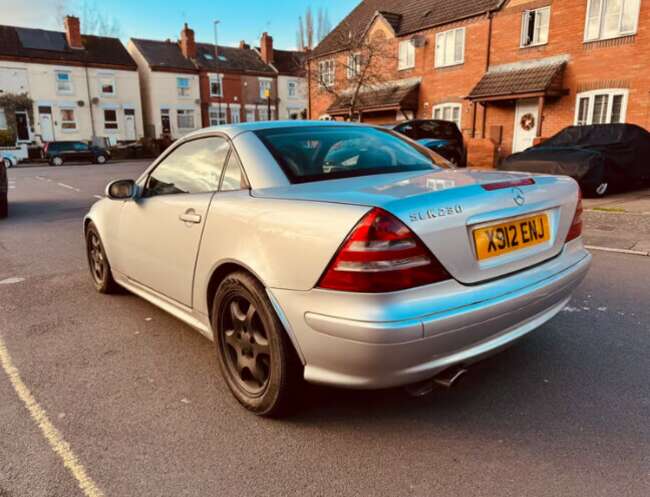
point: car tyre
(7, 162)
(56, 161)
(100, 268)
(255, 355)
(101, 159)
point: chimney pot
(244, 45)
(73, 32)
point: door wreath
(527, 122)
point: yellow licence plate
(500, 239)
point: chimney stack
(266, 48)
(73, 32)
(188, 45)
(244, 45)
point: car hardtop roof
(232, 130)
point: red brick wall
(232, 93)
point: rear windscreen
(314, 153)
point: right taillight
(382, 255)
(576, 225)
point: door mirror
(122, 189)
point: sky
(156, 19)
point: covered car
(600, 157)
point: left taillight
(380, 255)
(576, 225)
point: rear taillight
(45, 147)
(382, 255)
(576, 225)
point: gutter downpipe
(90, 106)
(487, 67)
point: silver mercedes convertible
(343, 254)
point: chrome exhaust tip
(445, 379)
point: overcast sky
(156, 19)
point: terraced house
(509, 73)
(82, 87)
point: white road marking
(52, 435)
(12, 281)
(69, 187)
(617, 251)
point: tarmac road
(135, 403)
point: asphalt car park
(137, 398)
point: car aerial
(443, 137)
(4, 185)
(601, 157)
(9, 160)
(59, 152)
(338, 253)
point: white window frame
(185, 113)
(183, 91)
(406, 55)
(442, 40)
(292, 88)
(590, 97)
(235, 114)
(67, 125)
(3, 119)
(451, 106)
(108, 78)
(354, 65)
(265, 83)
(250, 112)
(111, 129)
(216, 78)
(600, 18)
(263, 113)
(218, 116)
(64, 87)
(540, 36)
(327, 72)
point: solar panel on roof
(37, 39)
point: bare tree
(97, 22)
(365, 62)
(305, 33)
(324, 26)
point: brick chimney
(244, 45)
(266, 48)
(188, 45)
(73, 32)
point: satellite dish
(418, 41)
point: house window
(534, 27)
(235, 117)
(406, 55)
(263, 113)
(250, 115)
(63, 83)
(3, 119)
(601, 107)
(218, 116)
(354, 65)
(326, 71)
(216, 85)
(611, 18)
(183, 86)
(265, 88)
(107, 85)
(450, 47)
(68, 120)
(448, 112)
(185, 118)
(110, 119)
(292, 89)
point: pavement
(110, 396)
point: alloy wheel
(96, 258)
(245, 345)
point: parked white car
(9, 160)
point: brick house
(82, 87)
(187, 85)
(507, 72)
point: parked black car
(4, 204)
(58, 153)
(601, 157)
(442, 137)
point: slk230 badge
(435, 213)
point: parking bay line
(52, 435)
(69, 187)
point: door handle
(190, 217)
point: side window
(408, 130)
(80, 147)
(233, 177)
(194, 167)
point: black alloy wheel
(100, 269)
(256, 357)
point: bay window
(185, 118)
(218, 116)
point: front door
(526, 124)
(129, 124)
(22, 126)
(165, 122)
(47, 126)
(160, 232)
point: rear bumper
(378, 341)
